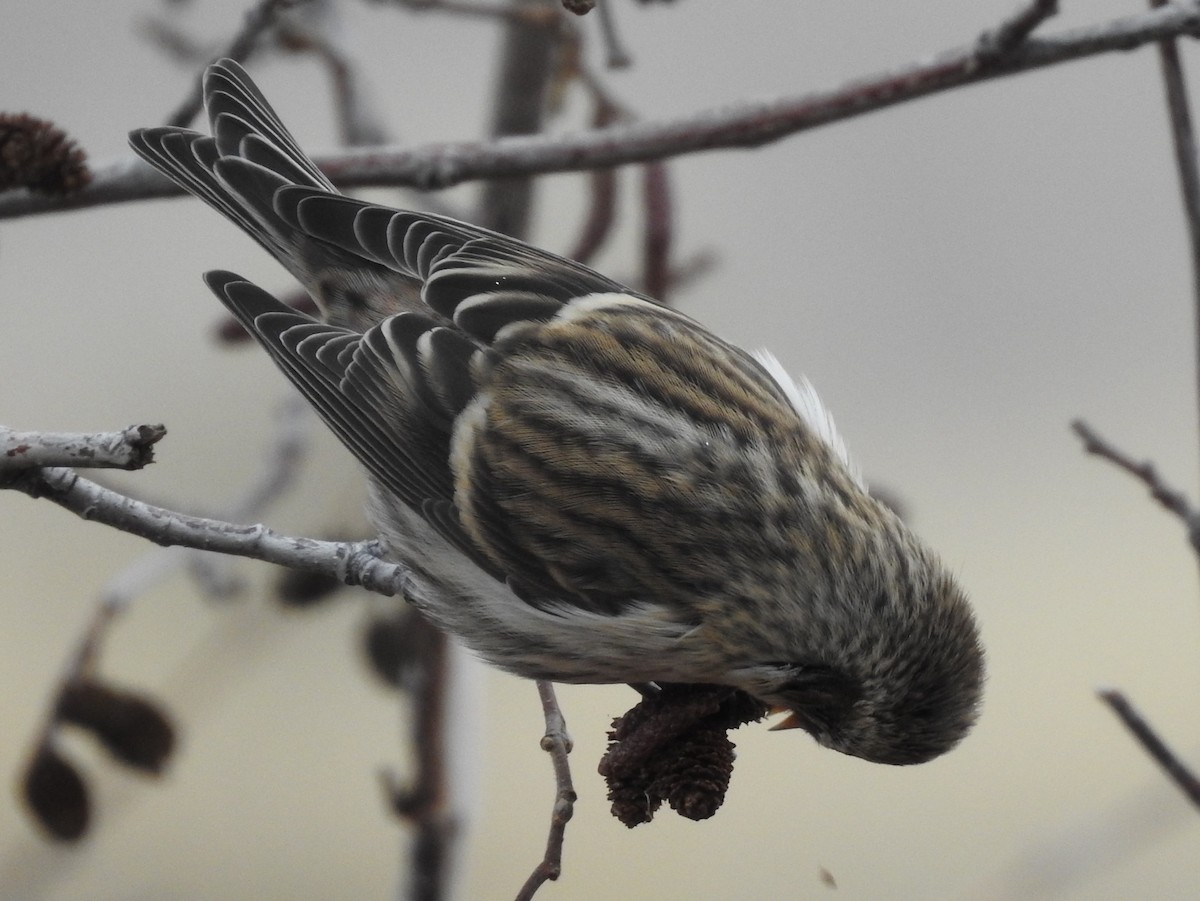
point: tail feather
(238, 170)
(236, 107)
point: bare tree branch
(659, 229)
(519, 108)
(1144, 472)
(557, 743)
(131, 448)
(1184, 139)
(425, 802)
(358, 121)
(749, 124)
(354, 563)
(1009, 35)
(602, 208)
(615, 54)
(262, 16)
(1155, 746)
(602, 194)
(486, 10)
(279, 467)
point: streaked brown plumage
(589, 487)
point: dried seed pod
(299, 588)
(654, 722)
(692, 775)
(673, 747)
(56, 795)
(36, 154)
(393, 644)
(132, 729)
(632, 802)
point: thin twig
(686, 272)
(280, 467)
(494, 10)
(262, 16)
(354, 563)
(1155, 746)
(1012, 32)
(749, 124)
(359, 123)
(1144, 471)
(173, 41)
(615, 54)
(602, 196)
(519, 108)
(557, 743)
(1184, 139)
(131, 448)
(656, 240)
(432, 851)
(601, 215)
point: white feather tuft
(804, 400)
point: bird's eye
(820, 695)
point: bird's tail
(250, 155)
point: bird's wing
(369, 388)
(360, 261)
(479, 279)
(393, 395)
(237, 170)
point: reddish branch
(749, 124)
(1013, 32)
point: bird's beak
(791, 721)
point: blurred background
(960, 277)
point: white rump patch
(804, 400)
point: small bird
(591, 487)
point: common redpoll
(590, 486)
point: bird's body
(589, 486)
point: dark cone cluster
(395, 646)
(298, 588)
(674, 747)
(131, 728)
(56, 795)
(37, 155)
